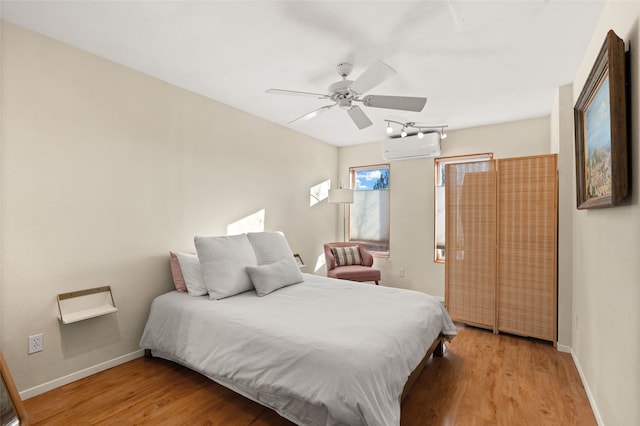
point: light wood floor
(483, 379)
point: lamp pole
(344, 197)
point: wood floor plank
(483, 379)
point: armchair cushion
(355, 273)
(347, 255)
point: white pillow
(269, 247)
(192, 274)
(223, 261)
(271, 277)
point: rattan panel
(470, 226)
(527, 266)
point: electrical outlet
(36, 343)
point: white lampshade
(340, 196)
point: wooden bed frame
(436, 349)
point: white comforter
(322, 352)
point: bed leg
(147, 354)
(439, 350)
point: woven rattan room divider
(501, 245)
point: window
(369, 218)
(439, 165)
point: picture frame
(12, 411)
(601, 138)
(299, 260)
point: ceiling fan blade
(296, 93)
(405, 103)
(374, 75)
(359, 117)
(312, 114)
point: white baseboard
(592, 401)
(563, 348)
(56, 383)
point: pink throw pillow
(176, 272)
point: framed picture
(298, 260)
(12, 411)
(600, 119)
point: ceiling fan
(345, 93)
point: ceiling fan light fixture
(389, 128)
(443, 135)
(345, 93)
(403, 133)
(420, 134)
(344, 104)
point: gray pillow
(270, 277)
(269, 247)
(223, 261)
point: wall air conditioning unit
(411, 147)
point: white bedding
(322, 352)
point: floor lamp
(344, 197)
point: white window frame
(372, 247)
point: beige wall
(562, 130)
(606, 257)
(104, 170)
(412, 187)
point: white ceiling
(477, 62)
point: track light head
(420, 128)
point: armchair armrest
(367, 257)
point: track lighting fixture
(420, 128)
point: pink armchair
(359, 273)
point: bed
(320, 352)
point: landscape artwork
(598, 144)
(601, 130)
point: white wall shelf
(84, 304)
